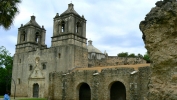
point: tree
(146, 57)
(8, 11)
(131, 55)
(140, 55)
(6, 62)
(123, 54)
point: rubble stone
(160, 35)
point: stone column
(160, 37)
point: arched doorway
(117, 91)
(36, 90)
(84, 92)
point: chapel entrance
(36, 90)
(117, 91)
(84, 92)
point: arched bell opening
(78, 25)
(23, 36)
(37, 37)
(62, 26)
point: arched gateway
(117, 91)
(84, 92)
(36, 90)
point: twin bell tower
(69, 42)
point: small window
(19, 81)
(59, 55)
(30, 67)
(43, 66)
(19, 60)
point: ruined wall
(65, 86)
(160, 38)
(143, 80)
(114, 61)
(125, 61)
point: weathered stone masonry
(160, 34)
(65, 86)
(33, 62)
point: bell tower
(69, 28)
(30, 37)
(69, 37)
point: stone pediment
(36, 73)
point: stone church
(70, 69)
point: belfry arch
(84, 91)
(117, 91)
(62, 26)
(78, 25)
(37, 37)
(23, 36)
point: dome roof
(32, 22)
(70, 10)
(91, 48)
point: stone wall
(65, 86)
(80, 57)
(114, 61)
(143, 78)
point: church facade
(33, 61)
(43, 72)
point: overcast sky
(112, 25)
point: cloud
(8, 40)
(113, 25)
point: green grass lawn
(1, 96)
(33, 99)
